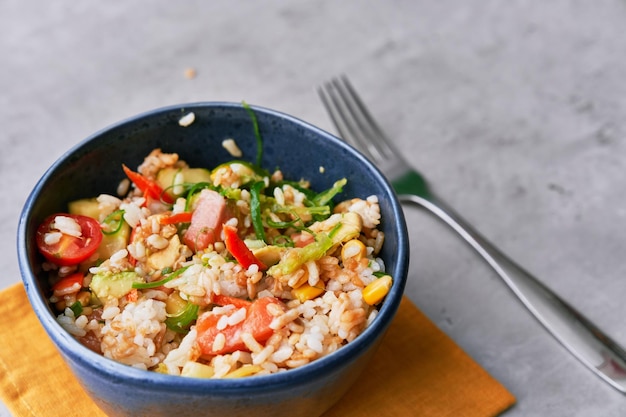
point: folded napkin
(418, 371)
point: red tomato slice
(69, 282)
(69, 250)
(257, 323)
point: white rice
(187, 119)
(231, 146)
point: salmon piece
(206, 221)
(257, 323)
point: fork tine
(342, 117)
(353, 120)
(361, 114)
(332, 106)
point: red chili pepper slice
(184, 217)
(150, 188)
(237, 247)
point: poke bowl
(214, 258)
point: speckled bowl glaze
(299, 149)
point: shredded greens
(181, 322)
(255, 209)
(77, 308)
(154, 284)
(257, 133)
(325, 197)
(296, 257)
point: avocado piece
(351, 225)
(270, 255)
(106, 286)
(166, 257)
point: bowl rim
(67, 345)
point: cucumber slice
(85, 207)
(247, 171)
(115, 242)
(110, 243)
(167, 178)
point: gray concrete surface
(514, 110)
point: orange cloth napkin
(418, 371)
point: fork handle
(581, 337)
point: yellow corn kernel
(161, 368)
(307, 292)
(245, 370)
(197, 370)
(353, 250)
(376, 290)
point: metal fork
(581, 337)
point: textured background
(514, 110)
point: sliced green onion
(180, 322)
(255, 209)
(113, 222)
(257, 133)
(325, 197)
(154, 284)
(323, 211)
(77, 308)
(334, 230)
(283, 225)
(284, 241)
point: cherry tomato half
(69, 250)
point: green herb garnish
(257, 133)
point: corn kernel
(161, 368)
(307, 292)
(197, 370)
(353, 250)
(245, 370)
(376, 290)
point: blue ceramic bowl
(299, 149)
